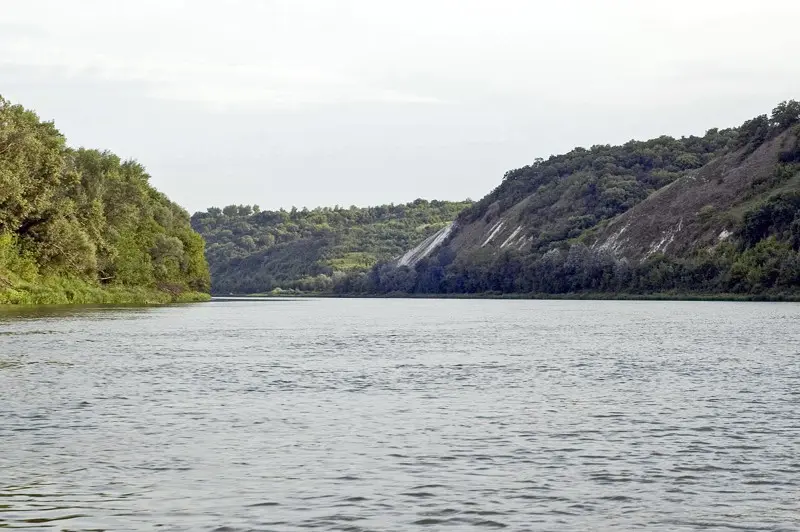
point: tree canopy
(85, 215)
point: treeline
(311, 250)
(81, 225)
(771, 267)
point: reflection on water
(401, 415)
(100, 312)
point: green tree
(786, 114)
(87, 216)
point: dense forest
(81, 225)
(255, 251)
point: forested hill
(84, 226)
(254, 251)
(715, 214)
(705, 215)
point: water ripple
(366, 415)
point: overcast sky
(324, 102)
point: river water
(401, 415)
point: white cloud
(290, 53)
(221, 60)
(358, 101)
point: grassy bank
(71, 291)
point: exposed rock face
(426, 247)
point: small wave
(419, 494)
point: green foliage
(755, 131)
(14, 259)
(31, 167)
(60, 290)
(786, 114)
(83, 225)
(253, 251)
(759, 266)
(779, 216)
(770, 267)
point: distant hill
(84, 226)
(254, 251)
(712, 214)
(696, 215)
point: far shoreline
(594, 296)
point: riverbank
(589, 296)
(71, 291)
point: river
(401, 415)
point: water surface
(402, 415)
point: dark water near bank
(402, 415)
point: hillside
(713, 214)
(706, 207)
(83, 226)
(254, 251)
